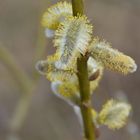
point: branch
(84, 83)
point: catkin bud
(56, 14)
(67, 91)
(72, 38)
(112, 58)
(42, 66)
(95, 72)
(54, 74)
(114, 114)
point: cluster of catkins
(72, 38)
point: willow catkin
(56, 14)
(114, 114)
(112, 58)
(72, 39)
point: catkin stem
(89, 130)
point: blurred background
(48, 117)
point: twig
(84, 84)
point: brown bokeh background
(50, 118)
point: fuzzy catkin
(114, 114)
(56, 14)
(112, 58)
(72, 38)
